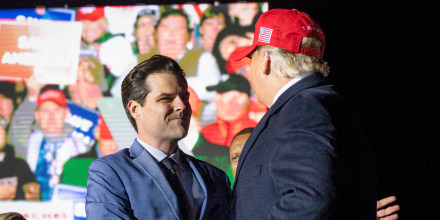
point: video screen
(61, 71)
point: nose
(181, 104)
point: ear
(266, 63)
(133, 107)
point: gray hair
(291, 65)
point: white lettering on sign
(40, 43)
(36, 58)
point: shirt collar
(159, 155)
(285, 87)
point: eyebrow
(165, 94)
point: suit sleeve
(106, 195)
(303, 163)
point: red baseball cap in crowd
(89, 13)
(194, 101)
(103, 129)
(52, 95)
(284, 28)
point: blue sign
(84, 120)
(58, 14)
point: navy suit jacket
(130, 185)
(306, 159)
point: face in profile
(166, 113)
(235, 150)
(50, 117)
(172, 36)
(257, 77)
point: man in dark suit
(307, 158)
(153, 179)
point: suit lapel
(143, 159)
(308, 82)
(198, 172)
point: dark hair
(170, 12)
(147, 12)
(214, 11)
(135, 87)
(244, 131)
(11, 216)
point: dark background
(384, 58)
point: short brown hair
(135, 87)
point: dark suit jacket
(306, 159)
(130, 185)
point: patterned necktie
(168, 170)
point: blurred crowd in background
(50, 133)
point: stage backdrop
(60, 101)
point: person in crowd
(153, 179)
(172, 34)
(145, 31)
(385, 211)
(90, 83)
(256, 109)
(236, 147)
(23, 117)
(212, 22)
(308, 157)
(51, 144)
(232, 99)
(244, 14)
(17, 182)
(75, 170)
(6, 107)
(112, 50)
(227, 41)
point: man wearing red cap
(52, 144)
(307, 158)
(112, 50)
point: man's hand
(32, 191)
(387, 213)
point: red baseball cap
(284, 28)
(89, 13)
(234, 65)
(52, 95)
